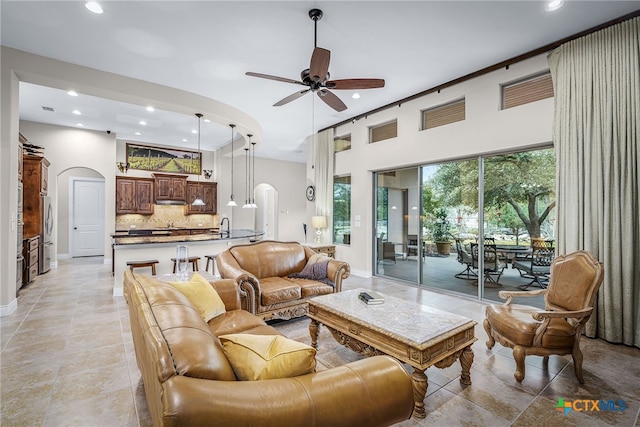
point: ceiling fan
(316, 77)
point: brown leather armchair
(569, 298)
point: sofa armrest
(229, 293)
(326, 398)
(336, 272)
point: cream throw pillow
(317, 258)
(202, 295)
(262, 357)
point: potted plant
(440, 231)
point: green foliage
(523, 181)
(440, 226)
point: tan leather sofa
(261, 270)
(188, 380)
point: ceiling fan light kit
(317, 76)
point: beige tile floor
(67, 360)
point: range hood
(170, 202)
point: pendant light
(198, 201)
(247, 199)
(232, 202)
(252, 203)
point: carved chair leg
(577, 363)
(487, 327)
(519, 355)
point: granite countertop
(164, 236)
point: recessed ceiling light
(207, 121)
(77, 112)
(94, 7)
(355, 95)
(72, 93)
(194, 131)
(80, 125)
(142, 123)
(150, 109)
(184, 139)
(137, 133)
(553, 5)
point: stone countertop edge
(136, 240)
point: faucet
(170, 224)
(225, 219)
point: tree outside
(519, 190)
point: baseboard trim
(361, 273)
(6, 310)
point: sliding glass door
(435, 226)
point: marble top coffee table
(412, 333)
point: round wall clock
(311, 193)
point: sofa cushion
(312, 288)
(262, 357)
(276, 290)
(202, 295)
(193, 350)
(270, 259)
(237, 321)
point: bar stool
(211, 259)
(147, 263)
(192, 259)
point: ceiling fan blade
(331, 100)
(276, 78)
(319, 66)
(355, 84)
(290, 98)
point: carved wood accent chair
(574, 282)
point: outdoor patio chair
(386, 250)
(493, 266)
(538, 266)
(465, 258)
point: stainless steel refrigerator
(46, 244)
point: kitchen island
(161, 245)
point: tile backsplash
(163, 216)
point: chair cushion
(202, 295)
(514, 322)
(262, 357)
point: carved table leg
(466, 359)
(420, 384)
(314, 326)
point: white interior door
(87, 219)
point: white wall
(486, 129)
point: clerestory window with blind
(384, 131)
(525, 91)
(443, 114)
(342, 143)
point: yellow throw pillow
(262, 357)
(202, 295)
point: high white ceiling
(205, 47)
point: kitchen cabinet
(30, 254)
(208, 191)
(134, 195)
(170, 188)
(35, 180)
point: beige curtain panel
(596, 130)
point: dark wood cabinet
(30, 254)
(170, 187)
(208, 192)
(134, 195)
(35, 181)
